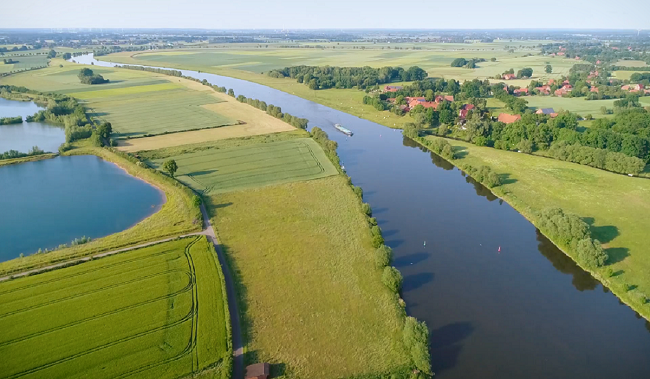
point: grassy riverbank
(614, 205)
(160, 311)
(177, 216)
(312, 300)
(31, 158)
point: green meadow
(137, 103)
(227, 169)
(23, 62)
(159, 311)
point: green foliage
(416, 339)
(170, 167)
(548, 69)
(274, 111)
(365, 208)
(392, 278)
(383, 256)
(12, 154)
(459, 62)
(591, 253)
(86, 76)
(565, 228)
(485, 175)
(11, 120)
(66, 56)
(324, 77)
(525, 146)
(598, 158)
(105, 129)
(96, 139)
(358, 191)
(196, 201)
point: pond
(47, 203)
(500, 300)
(22, 137)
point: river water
(22, 137)
(499, 299)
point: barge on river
(343, 130)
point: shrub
(358, 191)
(416, 339)
(525, 146)
(565, 228)
(392, 278)
(591, 253)
(365, 208)
(196, 201)
(377, 240)
(64, 147)
(383, 255)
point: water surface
(526, 311)
(22, 137)
(47, 203)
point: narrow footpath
(208, 231)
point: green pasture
(157, 312)
(574, 104)
(221, 170)
(23, 62)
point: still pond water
(22, 137)
(526, 311)
(47, 203)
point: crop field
(23, 62)
(574, 104)
(220, 170)
(615, 205)
(153, 312)
(136, 103)
(311, 298)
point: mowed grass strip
(311, 297)
(221, 170)
(131, 313)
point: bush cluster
(392, 278)
(11, 120)
(485, 175)
(275, 112)
(598, 158)
(416, 339)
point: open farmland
(311, 297)
(156, 312)
(23, 62)
(221, 170)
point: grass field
(615, 205)
(136, 103)
(574, 104)
(311, 299)
(227, 169)
(176, 216)
(23, 62)
(156, 312)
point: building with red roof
(509, 118)
(521, 91)
(509, 76)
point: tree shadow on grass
(445, 344)
(604, 233)
(506, 179)
(617, 254)
(204, 172)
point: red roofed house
(509, 76)
(564, 83)
(509, 118)
(449, 98)
(560, 53)
(550, 82)
(632, 87)
(521, 91)
(392, 88)
(564, 90)
(462, 113)
(258, 371)
(593, 89)
(544, 90)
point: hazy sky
(306, 14)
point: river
(499, 299)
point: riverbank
(31, 158)
(605, 200)
(178, 215)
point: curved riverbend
(526, 311)
(54, 201)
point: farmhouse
(462, 113)
(564, 90)
(392, 88)
(544, 90)
(632, 87)
(521, 91)
(593, 89)
(509, 118)
(258, 371)
(415, 101)
(509, 76)
(546, 111)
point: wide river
(526, 311)
(47, 203)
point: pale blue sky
(306, 14)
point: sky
(332, 14)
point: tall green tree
(548, 69)
(170, 167)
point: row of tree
(598, 158)
(11, 154)
(275, 112)
(324, 77)
(11, 120)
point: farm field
(136, 103)
(227, 169)
(23, 62)
(157, 312)
(311, 299)
(615, 205)
(574, 104)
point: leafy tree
(383, 255)
(67, 56)
(591, 253)
(392, 278)
(231, 92)
(459, 62)
(548, 69)
(525, 72)
(51, 54)
(170, 167)
(416, 340)
(105, 130)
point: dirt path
(208, 231)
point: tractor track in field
(208, 231)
